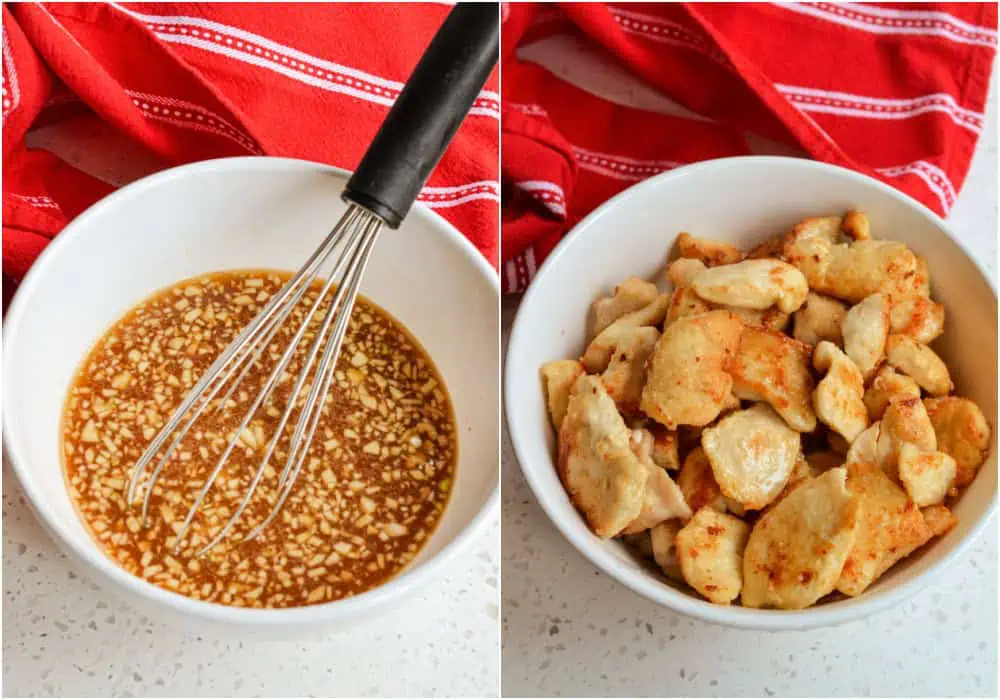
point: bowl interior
(740, 201)
(243, 213)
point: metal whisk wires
(347, 248)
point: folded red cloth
(191, 81)
(896, 91)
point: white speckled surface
(63, 636)
(570, 630)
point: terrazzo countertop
(571, 630)
(63, 636)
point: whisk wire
(272, 382)
(348, 289)
(360, 238)
(312, 410)
(354, 234)
(274, 323)
(220, 367)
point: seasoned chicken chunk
(907, 420)
(753, 284)
(697, 482)
(919, 362)
(866, 330)
(752, 453)
(770, 247)
(598, 353)
(770, 366)
(887, 385)
(871, 266)
(687, 383)
(626, 372)
(665, 448)
(769, 319)
(711, 253)
(640, 440)
(920, 283)
(838, 398)
(710, 552)
(891, 527)
(801, 470)
(684, 302)
(557, 380)
(662, 500)
(681, 272)
(916, 316)
(663, 538)
(904, 420)
(603, 477)
(962, 432)
(797, 548)
(855, 225)
(820, 318)
(631, 295)
(939, 519)
(864, 449)
(810, 246)
(849, 271)
(926, 476)
(652, 442)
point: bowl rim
(408, 580)
(835, 613)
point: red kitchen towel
(894, 90)
(191, 81)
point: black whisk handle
(428, 111)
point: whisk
(411, 140)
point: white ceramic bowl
(246, 213)
(741, 201)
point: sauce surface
(372, 487)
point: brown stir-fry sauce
(373, 484)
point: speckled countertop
(63, 636)
(570, 630)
